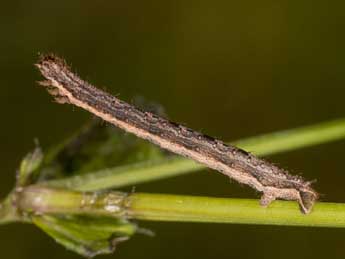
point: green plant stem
(41, 200)
(267, 144)
(127, 175)
(163, 207)
(8, 212)
(287, 140)
(160, 207)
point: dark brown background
(231, 69)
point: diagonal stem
(268, 144)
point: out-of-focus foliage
(96, 146)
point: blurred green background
(228, 68)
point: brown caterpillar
(273, 182)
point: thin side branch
(268, 144)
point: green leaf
(28, 166)
(88, 236)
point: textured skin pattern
(236, 163)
